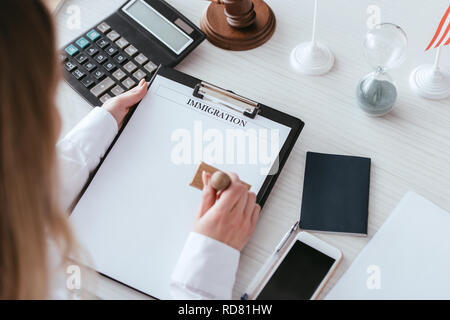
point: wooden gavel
(239, 13)
(238, 24)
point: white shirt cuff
(207, 268)
(93, 135)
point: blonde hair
(30, 216)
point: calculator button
(93, 35)
(129, 83)
(92, 51)
(90, 66)
(131, 50)
(81, 58)
(130, 67)
(103, 27)
(117, 90)
(102, 43)
(110, 66)
(141, 59)
(62, 57)
(100, 58)
(113, 35)
(70, 66)
(78, 74)
(111, 51)
(119, 74)
(88, 82)
(71, 50)
(150, 67)
(102, 87)
(122, 43)
(99, 74)
(105, 98)
(120, 58)
(82, 42)
(139, 75)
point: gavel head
(220, 180)
(239, 13)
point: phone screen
(299, 275)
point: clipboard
(249, 108)
(102, 228)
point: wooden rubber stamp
(238, 24)
(219, 179)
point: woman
(39, 181)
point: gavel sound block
(238, 24)
(219, 180)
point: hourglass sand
(384, 48)
(312, 57)
(430, 81)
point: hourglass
(384, 48)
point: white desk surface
(410, 147)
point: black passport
(335, 193)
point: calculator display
(158, 25)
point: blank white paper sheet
(408, 258)
(138, 210)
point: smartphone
(302, 271)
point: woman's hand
(229, 216)
(120, 105)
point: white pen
(286, 237)
(270, 262)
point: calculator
(128, 46)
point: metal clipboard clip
(226, 98)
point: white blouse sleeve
(81, 150)
(206, 269)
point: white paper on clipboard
(138, 210)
